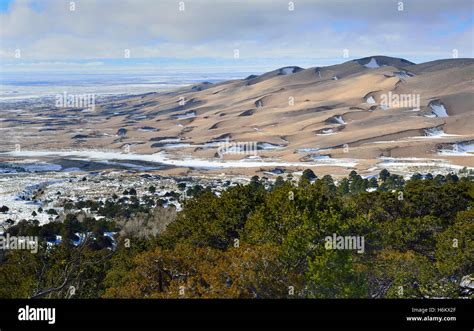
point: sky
(233, 34)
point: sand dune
(376, 107)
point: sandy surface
(294, 116)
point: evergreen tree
(309, 175)
(384, 174)
(344, 186)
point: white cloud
(48, 30)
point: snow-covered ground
(414, 164)
(25, 193)
(166, 159)
(461, 149)
(320, 157)
(17, 192)
(179, 145)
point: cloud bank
(49, 30)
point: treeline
(264, 240)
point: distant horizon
(109, 79)
(199, 66)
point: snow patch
(459, 149)
(320, 157)
(436, 132)
(405, 164)
(370, 100)
(179, 145)
(184, 116)
(372, 64)
(326, 132)
(437, 109)
(268, 146)
(339, 120)
(288, 70)
(168, 140)
(313, 150)
(307, 150)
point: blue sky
(36, 5)
(99, 33)
(4, 5)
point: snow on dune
(437, 109)
(313, 150)
(179, 145)
(468, 147)
(211, 144)
(190, 162)
(320, 157)
(268, 146)
(460, 149)
(372, 64)
(288, 70)
(184, 116)
(326, 132)
(339, 120)
(168, 140)
(307, 150)
(404, 164)
(370, 100)
(436, 132)
(433, 132)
